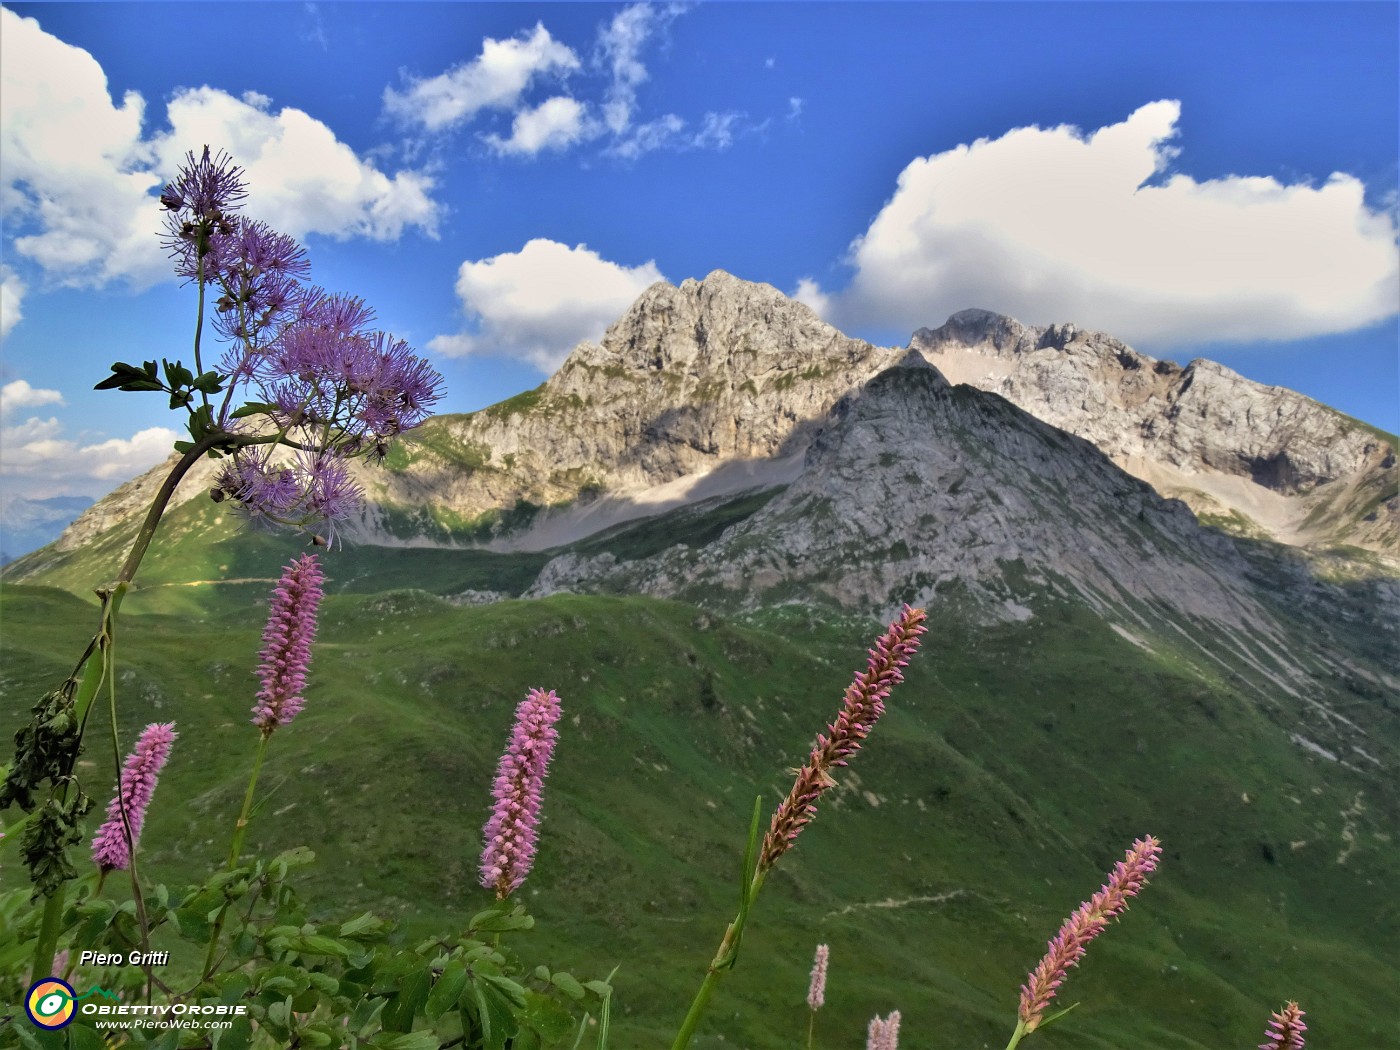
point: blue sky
(500, 181)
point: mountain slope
(1261, 459)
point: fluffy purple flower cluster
(322, 381)
(286, 652)
(512, 830)
(111, 846)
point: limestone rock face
(1274, 461)
(690, 378)
(914, 489)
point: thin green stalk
(236, 850)
(728, 950)
(811, 1025)
(1017, 1035)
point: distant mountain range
(27, 524)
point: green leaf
(317, 944)
(548, 1016)
(447, 990)
(239, 1037)
(602, 989)
(568, 984)
(412, 995)
(367, 923)
(1051, 1018)
(501, 918)
(405, 1041)
(209, 383)
(253, 408)
(81, 1037)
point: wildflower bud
(126, 813)
(1091, 919)
(1285, 1030)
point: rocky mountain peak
(1262, 460)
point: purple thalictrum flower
(126, 813)
(864, 704)
(199, 204)
(511, 832)
(816, 991)
(286, 651)
(1286, 1029)
(1092, 918)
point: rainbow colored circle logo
(49, 1003)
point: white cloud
(620, 44)
(495, 79)
(12, 290)
(795, 107)
(538, 303)
(660, 133)
(19, 394)
(36, 460)
(301, 178)
(79, 171)
(809, 293)
(1056, 225)
(76, 167)
(554, 124)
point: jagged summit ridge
(1277, 462)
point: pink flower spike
(863, 705)
(1286, 1029)
(126, 813)
(816, 993)
(1091, 919)
(512, 830)
(286, 652)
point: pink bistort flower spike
(875, 1034)
(512, 830)
(816, 992)
(1286, 1029)
(864, 704)
(286, 652)
(111, 846)
(1092, 917)
(891, 1032)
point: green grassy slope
(1013, 768)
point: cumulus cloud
(301, 178)
(554, 124)
(80, 172)
(809, 293)
(1052, 224)
(495, 79)
(538, 303)
(37, 460)
(19, 394)
(12, 291)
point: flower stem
(1017, 1035)
(722, 963)
(236, 850)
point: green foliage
(307, 982)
